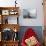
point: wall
(33, 4)
(27, 4)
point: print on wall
(29, 13)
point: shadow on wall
(37, 29)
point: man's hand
(32, 41)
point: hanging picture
(29, 13)
(12, 20)
(5, 12)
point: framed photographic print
(12, 20)
(6, 34)
(29, 13)
(5, 12)
(13, 12)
